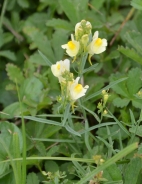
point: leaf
(136, 130)
(133, 169)
(69, 129)
(119, 102)
(90, 68)
(70, 10)
(137, 4)
(51, 166)
(135, 39)
(7, 130)
(109, 162)
(23, 3)
(134, 81)
(37, 59)
(97, 4)
(59, 38)
(59, 24)
(120, 88)
(131, 53)
(112, 173)
(31, 89)
(8, 178)
(14, 73)
(8, 54)
(43, 44)
(113, 55)
(41, 148)
(48, 63)
(43, 120)
(13, 110)
(32, 178)
(112, 84)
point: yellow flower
(76, 90)
(72, 47)
(60, 67)
(97, 45)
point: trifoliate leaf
(14, 73)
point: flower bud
(103, 92)
(106, 96)
(105, 112)
(85, 40)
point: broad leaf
(133, 169)
(137, 4)
(59, 24)
(131, 53)
(32, 178)
(119, 102)
(8, 54)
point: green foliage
(137, 4)
(14, 73)
(32, 179)
(128, 89)
(61, 143)
(131, 53)
(133, 168)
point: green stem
(24, 142)
(2, 13)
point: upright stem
(24, 142)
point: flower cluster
(102, 105)
(81, 44)
(71, 89)
(84, 42)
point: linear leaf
(105, 88)
(109, 162)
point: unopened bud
(85, 40)
(83, 22)
(105, 112)
(103, 92)
(106, 96)
(88, 27)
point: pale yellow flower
(72, 47)
(76, 90)
(60, 67)
(98, 45)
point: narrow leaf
(105, 88)
(109, 162)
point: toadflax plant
(81, 44)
